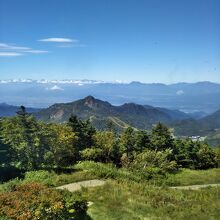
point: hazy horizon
(96, 81)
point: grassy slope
(136, 201)
(125, 199)
(122, 198)
(193, 177)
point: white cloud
(59, 40)
(55, 88)
(10, 54)
(4, 46)
(37, 51)
(180, 92)
(12, 50)
(57, 83)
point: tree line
(30, 144)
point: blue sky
(130, 40)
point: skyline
(81, 82)
(146, 41)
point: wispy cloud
(37, 51)
(10, 54)
(63, 42)
(59, 40)
(4, 46)
(12, 50)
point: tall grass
(116, 200)
(192, 177)
(108, 171)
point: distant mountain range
(100, 113)
(10, 110)
(203, 126)
(129, 114)
(196, 98)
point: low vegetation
(137, 165)
(36, 201)
(214, 138)
(187, 177)
(126, 200)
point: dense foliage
(36, 201)
(35, 145)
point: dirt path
(195, 187)
(72, 187)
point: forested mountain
(176, 114)
(10, 110)
(203, 126)
(101, 113)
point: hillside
(100, 113)
(203, 126)
(10, 110)
(176, 114)
(213, 138)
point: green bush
(47, 178)
(151, 161)
(108, 171)
(37, 201)
(10, 185)
(94, 154)
(41, 176)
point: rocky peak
(90, 101)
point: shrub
(41, 176)
(206, 158)
(217, 152)
(149, 160)
(94, 154)
(37, 201)
(108, 171)
(10, 185)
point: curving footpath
(72, 187)
(195, 187)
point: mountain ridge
(100, 113)
(7, 110)
(132, 114)
(187, 97)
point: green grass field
(187, 177)
(137, 201)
